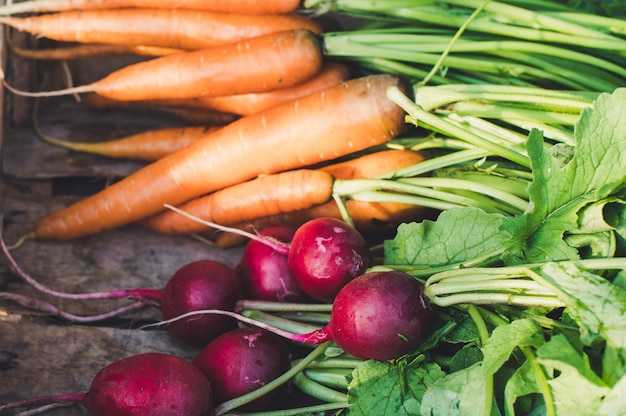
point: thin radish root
(273, 243)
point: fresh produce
(181, 29)
(521, 271)
(228, 6)
(265, 272)
(331, 74)
(147, 146)
(324, 255)
(379, 315)
(367, 119)
(220, 70)
(242, 360)
(195, 286)
(298, 191)
(286, 191)
(144, 384)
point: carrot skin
(264, 63)
(246, 104)
(90, 50)
(168, 28)
(277, 194)
(242, 104)
(335, 122)
(147, 146)
(194, 116)
(267, 195)
(227, 6)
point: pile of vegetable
(435, 191)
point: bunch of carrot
(294, 113)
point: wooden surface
(41, 355)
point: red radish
(202, 284)
(242, 360)
(379, 315)
(151, 383)
(325, 254)
(264, 271)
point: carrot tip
(29, 236)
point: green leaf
(566, 178)
(384, 388)
(522, 383)
(614, 403)
(577, 390)
(505, 338)
(597, 305)
(460, 393)
(458, 235)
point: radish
(325, 254)
(198, 285)
(242, 360)
(151, 383)
(265, 271)
(379, 315)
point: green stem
(295, 369)
(284, 324)
(269, 306)
(483, 334)
(431, 120)
(542, 381)
(454, 39)
(317, 390)
(298, 411)
(335, 378)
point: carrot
(176, 28)
(276, 194)
(263, 63)
(147, 146)
(227, 6)
(372, 219)
(266, 195)
(335, 122)
(194, 116)
(245, 104)
(89, 50)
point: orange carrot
(372, 219)
(90, 50)
(263, 63)
(194, 116)
(373, 164)
(176, 28)
(287, 191)
(276, 194)
(147, 146)
(244, 104)
(228, 6)
(335, 122)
